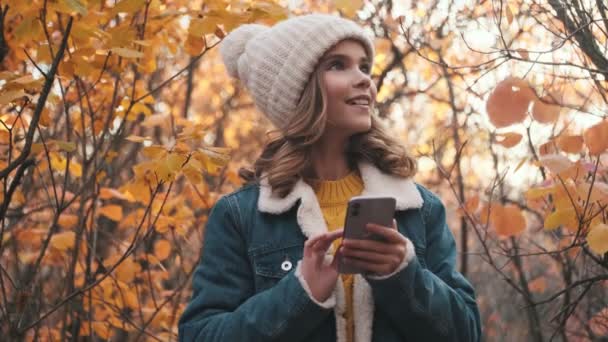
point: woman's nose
(362, 80)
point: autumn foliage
(119, 129)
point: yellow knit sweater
(333, 198)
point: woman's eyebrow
(342, 56)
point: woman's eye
(365, 68)
(336, 63)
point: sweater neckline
(339, 190)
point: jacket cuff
(410, 254)
(327, 304)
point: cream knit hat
(275, 63)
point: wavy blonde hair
(287, 154)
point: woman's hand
(320, 277)
(377, 257)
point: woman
(269, 264)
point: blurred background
(120, 128)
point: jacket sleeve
(224, 306)
(435, 303)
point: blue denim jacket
(244, 288)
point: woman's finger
(369, 245)
(381, 258)
(327, 239)
(391, 235)
(369, 266)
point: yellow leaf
(565, 217)
(520, 164)
(111, 211)
(598, 238)
(67, 146)
(156, 120)
(12, 95)
(349, 7)
(127, 53)
(595, 138)
(509, 101)
(75, 168)
(509, 14)
(70, 6)
(193, 174)
(202, 26)
(135, 138)
(163, 172)
(128, 6)
(154, 151)
(508, 139)
(536, 193)
(63, 241)
(162, 249)
(175, 161)
(58, 163)
(140, 107)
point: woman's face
(350, 92)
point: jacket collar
(311, 222)
(375, 183)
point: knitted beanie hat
(275, 63)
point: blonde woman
(269, 266)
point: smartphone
(361, 211)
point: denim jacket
(248, 286)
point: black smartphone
(361, 211)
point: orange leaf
(108, 193)
(570, 143)
(598, 238)
(112, 211)
(127, 270)
(536, 193)
(523, 53)
(509, 101)
(471, 205)
(544, 110)
(556, 163)
(162, 249)
(67, 221)
(595, 138)
(538, 285)
(349, 7)
(63, 241)
(508, 139)
(506, 220)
